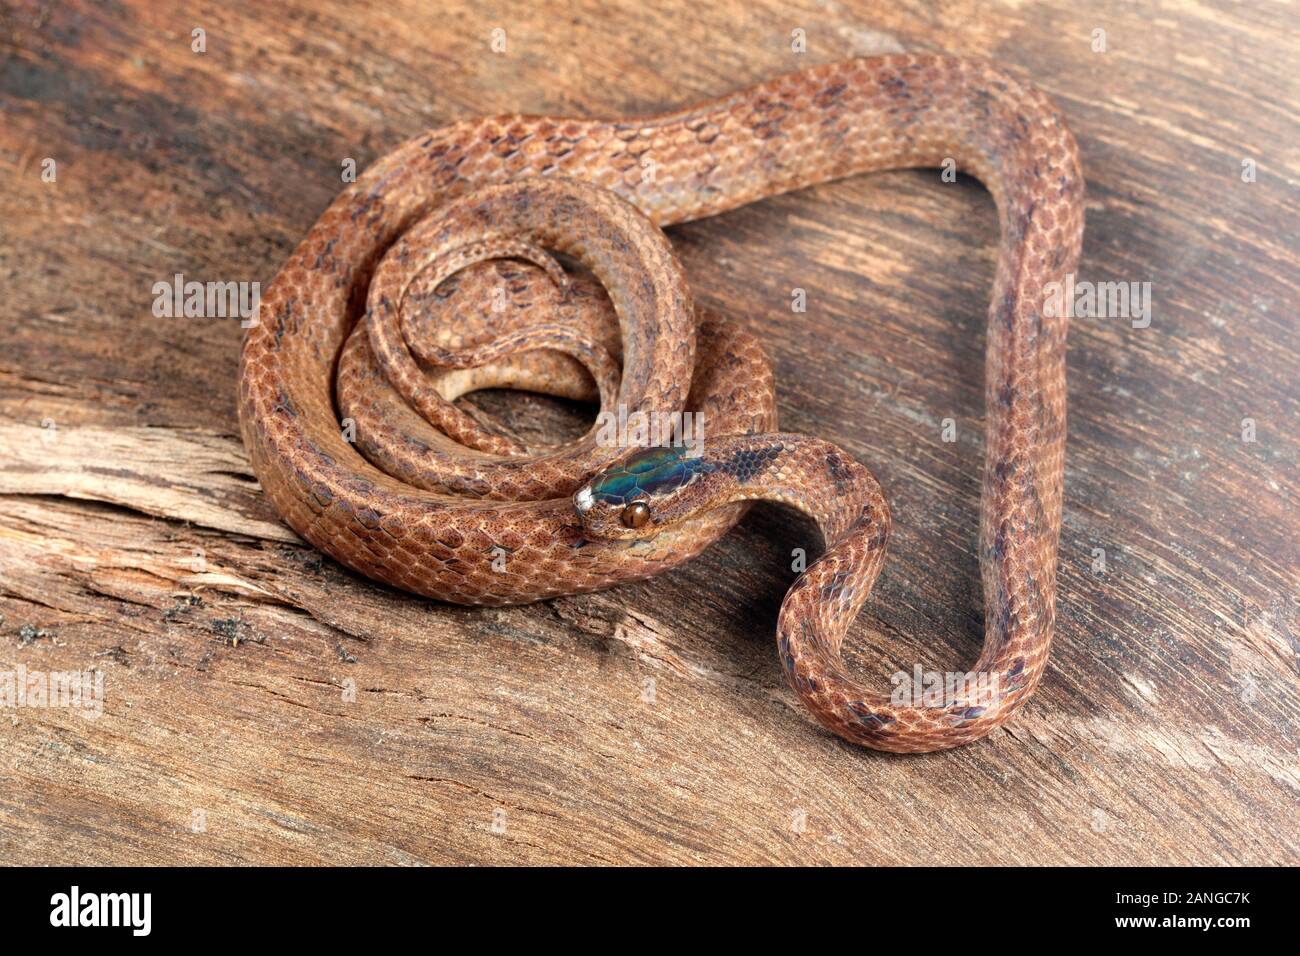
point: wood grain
(264, 705)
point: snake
(528, 252)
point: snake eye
(636, 514)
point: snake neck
(804, 473)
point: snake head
(642, 494)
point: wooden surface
(648, 723)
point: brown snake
(461, 513)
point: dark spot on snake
(867, 717)
(1003, 470)
(840, 473)
(1017, 227)
(877, 540)
(998, 550)
(783, 644)
(1002, 620)
(415, 443)
(837, 585)
(283, 406)
(828, 96)
(1007, 308)
(285, 320)
(895, 86)
(315, 450)
(961, 715)
(362, 486)
(364, 207)
(802, 683)
(747, 464)
(327, 252)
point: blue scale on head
(649, 472)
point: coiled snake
(400, 484)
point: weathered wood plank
(306, 715)
(185, 474)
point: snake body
(461, 513)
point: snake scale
(380, 319)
